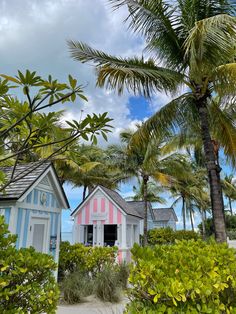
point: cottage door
(39, 230)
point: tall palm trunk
(203, 223)
(145, 227)
(213, 172)
(183, 213)
(230, 206)
(191, 217)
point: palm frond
(191, 11)
(224, 78)
(223, 130)
(136, 74)
(169, 119)
(156, 21)
(210, 44)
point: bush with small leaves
(79, 257)
(168, 235)
(188, 277)
(27, 283)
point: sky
(34, 36)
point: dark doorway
(88, 237)
(110, 235)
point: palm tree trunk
(213, 173)
(145, 227)
(191, 218)
(183, 213)
(203, 224)
(230, 206)
(84, 192)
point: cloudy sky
(34, 35)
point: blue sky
(34, 35)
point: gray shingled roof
(164, 214)
(129, 209)
(139, 206)
(28, 174)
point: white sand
(92, 305)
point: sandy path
(93, 306)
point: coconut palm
(153, 192)
(146, 162)
(190, 189)
(87, 166)
(194, 43)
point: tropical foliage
(27, 282)
(89, 259)
(194, 43)
(188, 277)
(230, 222)
(169, 236)
(146, 161)
(91, 270)
(28, 134)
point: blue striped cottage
(32, 206)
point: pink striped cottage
(104, 218)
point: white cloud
(34, 35)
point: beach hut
(32, 205)
(104, 218)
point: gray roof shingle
(27, 174)
(139, 206)
(164, 214)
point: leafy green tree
(194, 41)
(26, 133)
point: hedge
(188, 277)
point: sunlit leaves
(186, 277)
(93, 124)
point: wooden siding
(99, 208)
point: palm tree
(145, 161)
(194, 41)
(86, 166)
(153, 192)
(188, 189)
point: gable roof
(116, 198)
(139, 207)
(27, 174)
(164, 214)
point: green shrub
(89, 259)
(106, 285)
(230, 222)
(188, 277)
(231, 234)
(27, 283)
(168, 235)
(75, 286)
